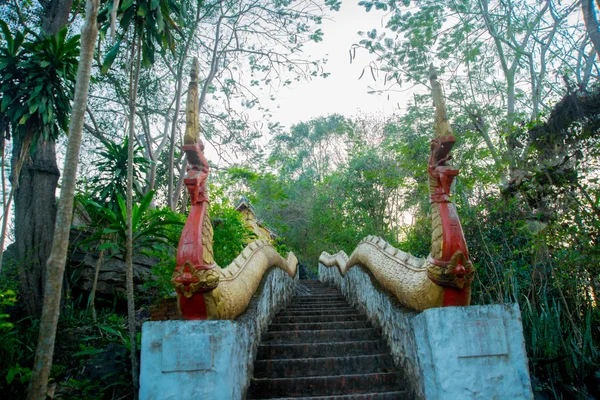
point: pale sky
(342, 92)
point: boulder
(111, 279)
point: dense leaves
(110, 182)
(37, 77)
(152, 19)
(148, 226)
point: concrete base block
(189, 360)
(475, 352)
(184, 360)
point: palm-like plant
(150, 227)
(152, 21)
(37, 82)
(111, 180)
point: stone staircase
(322, 348)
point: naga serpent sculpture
(444, 278)
(204, 290)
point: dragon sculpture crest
(204, 290)
(444, 278)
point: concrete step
(316, 350)
(299, 319)
(318, 312)
(313, 298)
(320, 336)
(324, 307)
(396, 395)
(298, 367)
(321, 326)
(325, 385)
(322, 348)
(318, 304)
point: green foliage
(17, 341)
(8, 298)
(230, 233)
(111, 180)
(97, 343)
(148, 226)
(37, 77)
(154, 20)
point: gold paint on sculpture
(192, 120)
(417, 283)
(207, 241)
(401, 274)
(226, 292)
(240, 280)
(189, 280)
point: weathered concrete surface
(475, 352)
(210, 359)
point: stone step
(312, 302)
(322, 307)
(321, 326)
(325, 385)
(318, 304)
(396, 395)
(298, 367)
(317, 336)
(320, 347)
(299, 319)
(317, 350)
(318, 312)
(313, 298)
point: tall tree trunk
(133, 86)
(56, 15)
(6, 204)
(35, 217)
(56, 263)
(179, 187)
(95, 283)
(591, 23)
(35, 192)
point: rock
(111, 278)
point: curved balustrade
(401, 274)
(240, 280)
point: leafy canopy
(37, 77)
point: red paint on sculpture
(452, 268)
(193, 273)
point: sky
(342, 92)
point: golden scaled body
(240, 280)
(401, 274)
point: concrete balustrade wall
(475, 352)
(210, 359)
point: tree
(58, 255)
(591, 23)
(111, 180)
(37, 84)
(497, 56)
(153, 27)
